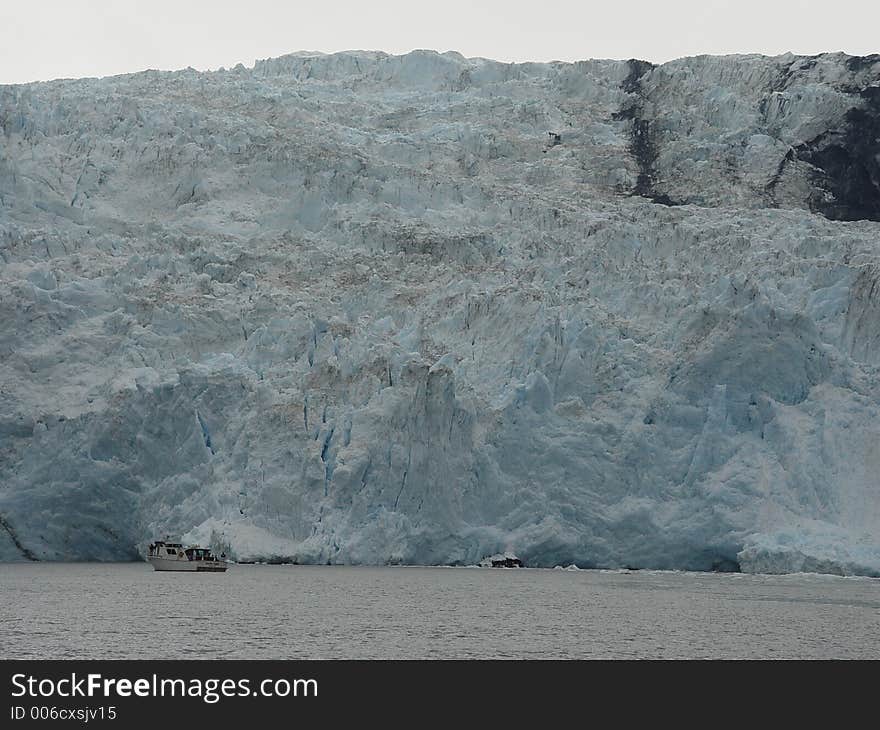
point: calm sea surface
(128, 611)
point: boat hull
(187, 566)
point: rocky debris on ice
(361, 308)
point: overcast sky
(45, 39)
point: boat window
(172, 551)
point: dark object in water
(505, 560)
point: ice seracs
(361, 308)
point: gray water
(128, 611)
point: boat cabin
(199, 554)
(165, 548)
(161, 549)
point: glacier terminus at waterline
(370, 309)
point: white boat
(173, 556)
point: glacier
(372, 309)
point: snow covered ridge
(362, 308)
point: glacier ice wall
(361, 308)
